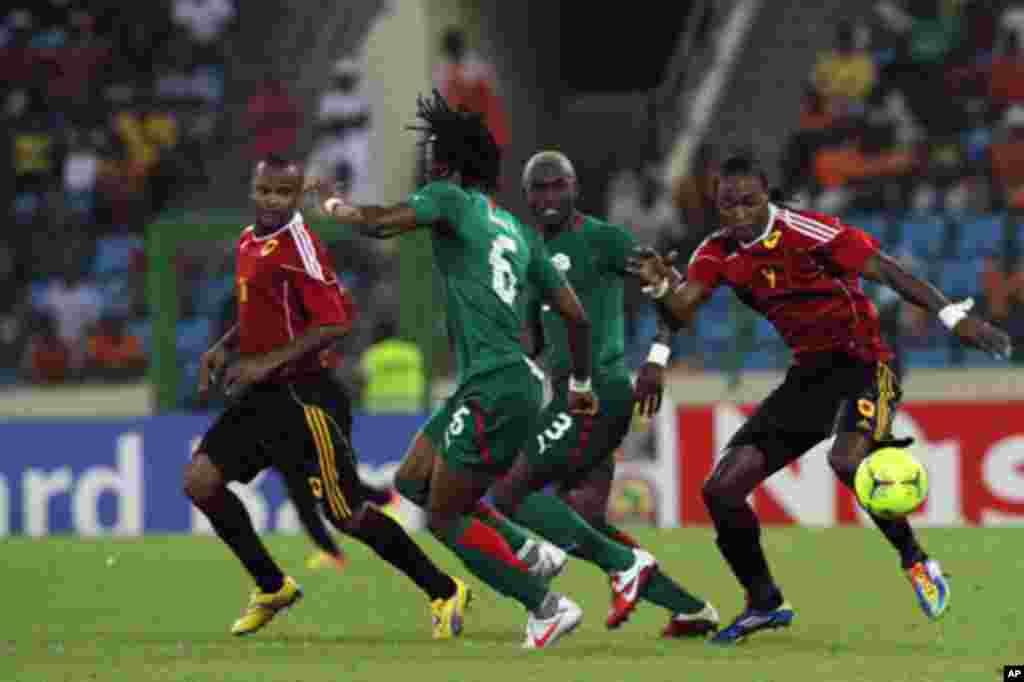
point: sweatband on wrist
(576, 386)
(659, 354)
(954, 312)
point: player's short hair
(743, 165)
(278, 162)
(460, 140)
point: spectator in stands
(1008, 159)
(47, 358)
(81, 165)
(693, 198)
(931, 32)
(75, 305)
(205, 20)
(272, 118)
(34, 142)
(846, 75)
(1006, 75)
(467, 81)
(342, 149)
(113, 353)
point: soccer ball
(891, 483)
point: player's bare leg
(207, 489)
(739, 471)
(925, 575)
(454, 495)
(519, 494)
(690, 616)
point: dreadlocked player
(487, 261)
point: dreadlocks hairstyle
(459, 140)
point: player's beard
(554, 216)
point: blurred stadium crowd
(911, 127)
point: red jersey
(287, 285)
(803, 274)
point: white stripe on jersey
(307, 251)
(693, 256)
(811, 228)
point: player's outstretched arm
(581, 395)
(971, 329)
(378, 222)
(678, 299)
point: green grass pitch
(161, 611)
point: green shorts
(483, 426)
(566, 447)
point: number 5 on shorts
(457, 425)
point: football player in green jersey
(488, 262)
(576, 452)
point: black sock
(739, 540)
(390, 541)
(899, 533)
(231, 522)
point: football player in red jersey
(802, 271)
(289, 413)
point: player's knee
(717, 492)
(202, 481)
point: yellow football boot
(448, 614)
(264, 606)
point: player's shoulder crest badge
(772, 240)
(269, 247)
(561, 262)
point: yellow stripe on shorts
(331, 474)
(321, 451)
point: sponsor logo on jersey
(772, 240)
(268, 248)
(561, 262)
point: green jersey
(488, 262)
(592, 255)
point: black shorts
(301, 429)
(832, 393)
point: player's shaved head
(549, 181)
(550, 164)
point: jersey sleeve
(850, 249)
(324, 302)
(618, 243)
(705, 267)
(438, 201)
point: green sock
(513, 534)
(663, 591)
(558, 522)
(503, 578)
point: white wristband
(659, 354)
(657, 291)
(576, 386)
(331, 204)
(954, 312)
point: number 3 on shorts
(561, 424)
(457, 425)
